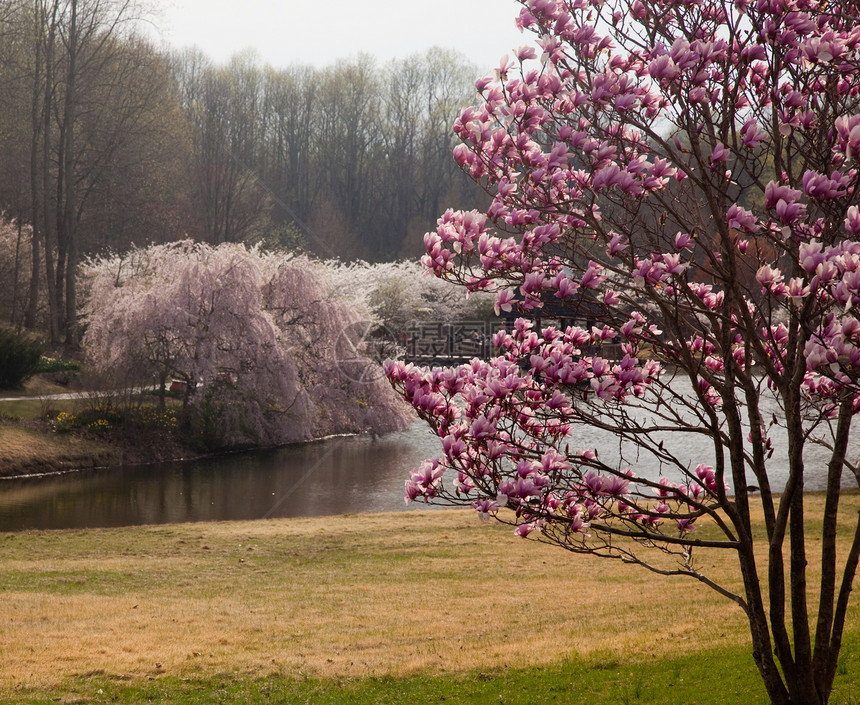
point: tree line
(108, 141)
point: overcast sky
(318, 32)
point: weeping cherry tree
(250, 334)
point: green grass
(617, 681)
(420, 607)
(720, 677)
(36, 408)
(42, 385)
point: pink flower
(774, 193)
(741, 219)
(504, 301)
(852, 220)
(565, 286)
(811, 256)
(592, 276)
(610, 298)
(719, 154)
(524, 530)
(685, 526)
(663, 69)
(848, 132)
(617, 244)
(485, 507)
(824, 188)
(751, 134)
(683, 241)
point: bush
(19, 358)
(58, 370)
(65, 422)
(156, 418)
(56, 364)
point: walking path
(49, 397)
(72, 395)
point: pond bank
(46, 429)
(31, 448)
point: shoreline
(90, 463)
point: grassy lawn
(39, 385)
(389, 608)
(35, 408)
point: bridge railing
(446, 341)
(435, 342)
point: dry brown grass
(387, 594)
(343, 596)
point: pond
(335, 476)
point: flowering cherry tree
(251, 334)
(683, 174)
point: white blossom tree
(250, 335)
(399, 293)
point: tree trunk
(16, 275)
(35, 197)
(48, 222)
(162, 388)
(70, 195)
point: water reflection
(336, 476)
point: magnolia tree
(686, 173)
(252, 335)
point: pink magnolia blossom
(631, 172)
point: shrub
(19, 358)
(65, 422)
(56, 364)
(99, 425)
(155, 418)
